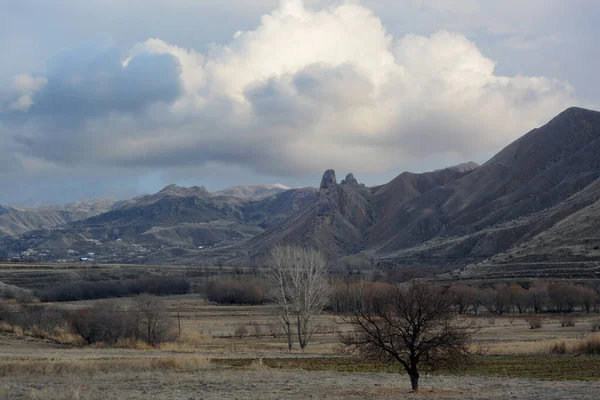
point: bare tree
(155, 326)
(537, 297)
(464, 298)
(299, 277)
(414, 326)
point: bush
(38, 321)
(589, 345)
(234, 292)
(109, 323)
(241, 331)
(16, 293)
(559, 348)
(535, 321)
(105, 322)
(595, 325)
(567, 321)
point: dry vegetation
(240, 350)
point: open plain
(237, 352)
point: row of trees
(563, 297)
(75, 291)
(231, 291)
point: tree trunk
(300, 341)
(414, 380)
(289, 335)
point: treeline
(558, 297)
(74, 291)
(231, 291)
(539, 297)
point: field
(239, 352)
(211, 360)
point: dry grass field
(212, 360)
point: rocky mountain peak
(350, 180)
(328, 179)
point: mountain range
(532, 207)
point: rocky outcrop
(350, 180)
(328, 179)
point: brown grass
(589, 345)
(93, 366)
(59, 335)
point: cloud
(307, 89)
(26, 86)
(90, 80)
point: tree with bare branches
(415, 326)
(299, 279)
(155, 326)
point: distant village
(94, 251)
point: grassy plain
(209, 360)
(239, 352)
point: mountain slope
(16, 221)
(334, 221)
(536, 201)
(252, 192)
(470, 217)
(174, 222)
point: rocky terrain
(536, 201)
(18, 220)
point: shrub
(589, 345)
(234, 292)
(109, 323)
(241, 331)
(16, 293)
(567, 321)
(105, 322)
(276, 330)
(559, 348)
(257, 329)
(535, 321)
(595, 325)
(38, 321)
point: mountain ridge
(510, 209)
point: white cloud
(26, 86)
(310, 89)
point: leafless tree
(299, 279)
(464, 298)
(414, 326)
(537, 297)
(589, 297)
(155, 326)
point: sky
(112, 99)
